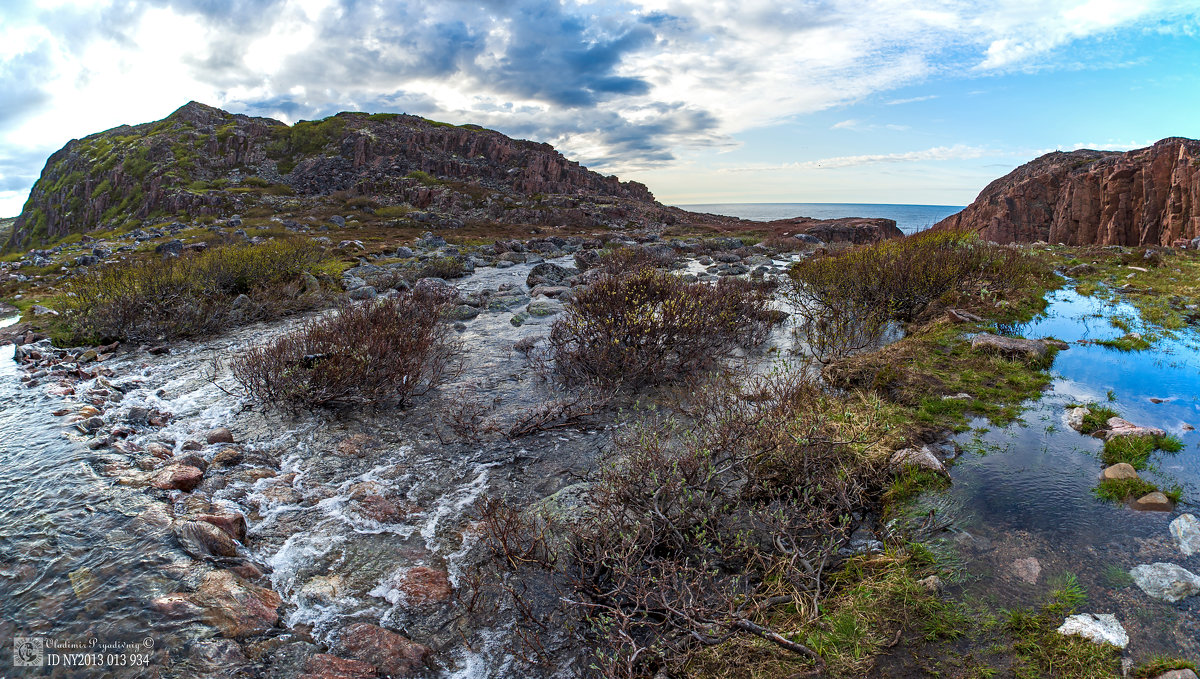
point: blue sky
(889, 101)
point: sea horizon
(910, 217)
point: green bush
(186, 296)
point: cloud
(910, 100)
(624, 84)
(936, 153)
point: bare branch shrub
(650, 327)
(384, 351)
(694, 530)
(189, 295)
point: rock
(232, 523)
(1027, 569)
(1166, 581)
(462, 312)
(325, 666)
(421, 585)
(922, 457)
(549, 274)
(932, 584)
(202, 539)
(1100, 628)
(171, 247)
(1137, 198)
(39, 310)
(240, 302)
(227, 457)
(309, 283)
(1010, 347)
(1075, 417)
(137, 415)
(219, 435)
(544, 307)
(1186, 531)
(235, 607)
(549, 291)
(1119, 427)
(338, 220)
(83, 583)
(365, 292)
(1153, 502)
(1119, 471)
(1177, 674)
(391, 653)
(159, 450)
(177, 477)
(176, 607)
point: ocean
(910, 218)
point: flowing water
(345, 509)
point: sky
(872, 101)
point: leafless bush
(634, 258)
(693, 530)
(473, 418)
(384, 351)
(650, 327)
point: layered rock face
(1148, 196)
(204, 161)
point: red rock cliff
(1148, 196)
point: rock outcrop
(201, 163)
(1145, 197)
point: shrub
(902, 277)
(442, 267)
(631, 259)
(651, 327)
(189, 295)
(694, 529)
(386, 351)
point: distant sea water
(910, 218)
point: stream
(366, 516)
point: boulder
(423, 585)
(1153, 502)
(1186, 531)
(1100, 628)
(202, 539)
(1118, 472)
(1166, 581)
(220, 435)
(541, 308)
(171, 247)
(1074, 417)
(232, 523)
(1010, 347)
(922, 457)
(392, 654)
(177, 477)
(236, 607)
(1119, 427)
(1177, 674)
(549, 274)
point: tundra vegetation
(714, 539)
(159, 298)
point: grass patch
(1120, 490)
(1161, 665)
(382, 352)
(1040, 651)
(1131, 342)
(188, 296)
(1136, 450)
(1096, 418)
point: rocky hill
(204, 161)
(201, 164)
(1148, 196)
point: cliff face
(1148, 196)
(204, 161)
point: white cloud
(936, 153)
(624, 84)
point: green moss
(424, 178)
